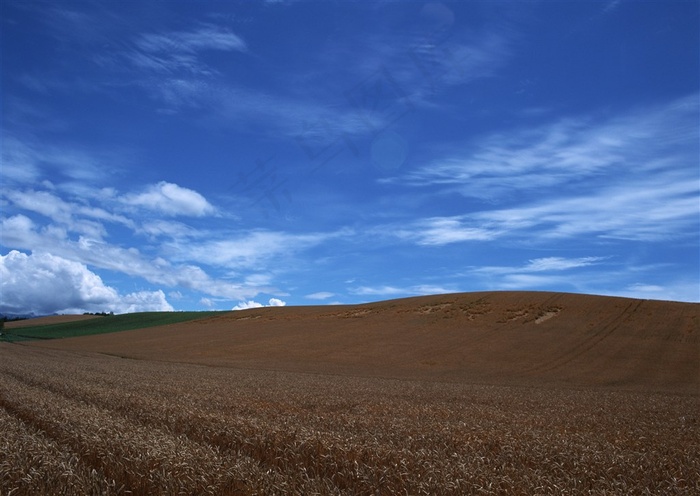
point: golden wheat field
(79, 421)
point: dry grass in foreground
(83, 423)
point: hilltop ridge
(529, 338)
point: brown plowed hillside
(528, 338)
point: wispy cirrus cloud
(28, 160)
(206, 37)
(437, 53)
(569, 151)
(679, 290)
(547, 272)
(320, 295)
(176, 52)
(75, 220)
(654, 208)
(661, 208)
(414, 290)
(608, 275)
(457, 60)
(20, 232)
(249, 249)
(73, 216)
(546, 264)
(438, 231)
(559, 263)
(631, 177)
(76, 225)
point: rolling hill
(516, 338)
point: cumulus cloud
(171, 199)
(272, 302)
(20, 232)
(245, 305)
(43, 284)
(142, 301)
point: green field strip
(102, 325)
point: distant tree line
(5, 318)
(105, 314)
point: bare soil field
(521, 338)
(482, 393)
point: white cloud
(674, 291)
(245, 305)
(248, 250)
(611, 6)
(428, 289)
(660, 207)
(438, 231)
(378, 290)
(530, 281)
(19, 163)
(557, 263)
(459, 62)
(18, 224)
(590, 275)
(25, 159)
(636, 143)
(171, 199)
(20, 232)
(420, 289)
(321, 295)
(43, 284)
(538, 272)
(205, 38)
(177, 54)
(143, 301)
(173, 229)
(80, 218)
(444, 230)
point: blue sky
(218, 155)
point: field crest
(526, 338)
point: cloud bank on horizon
(214, 156)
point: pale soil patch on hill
(546, 316)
